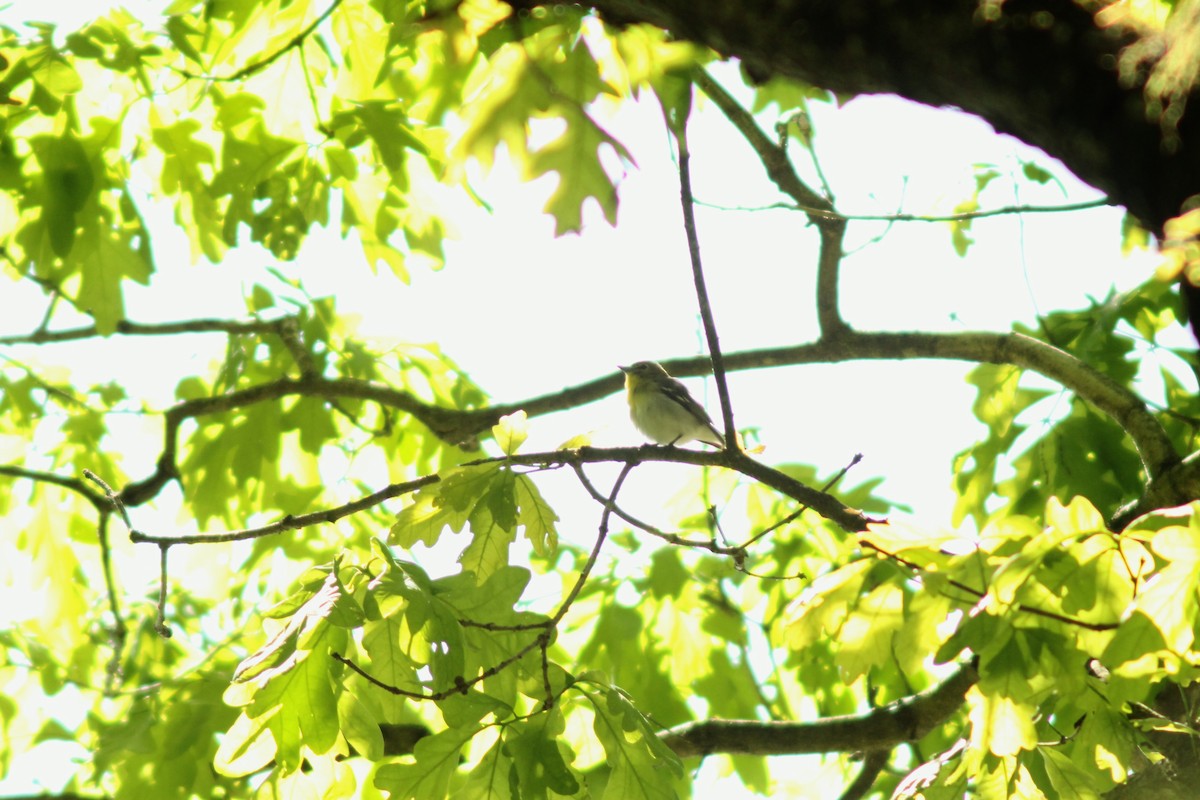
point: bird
(663, 409)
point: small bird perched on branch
(663, 409)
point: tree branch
(1125, 408)
(119, 632)
(874, 763)
(879, 729)
(128, 328)
(658, 533)
(706, 314)
(291, 523)
(830, 224)
(826, 505)
(1083, 205)
(456, 425)
(1040, 70)
(1175, 486)
(73, 484)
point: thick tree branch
(1040, 70)
(455, 425)
(1103, 393)
(879, 729)
(450, 424)
(1177, 485)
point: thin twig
(291, 523)
(658, 533)
(112, 672)
(706, 314)
(128, 328)
(600, 538)
(160, 624)
(898, 216)
(113, 497)
(874, 762)
(1083, 205)
(795, 514)
(461, 685)
(73, 484)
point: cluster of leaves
(1042, 442)
(1070, 624)
(190, 110)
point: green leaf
(246, 748)
(511, 432)
(999, 724)
(286, 684)
(1036, 173)
(537, 758)
(448, 503)
(490, 539)
(535, 516)
(437, 758)
(1068, 778)
(360, 725)
(642, 766)
(68, 180)
(865, 638)
(575, 156)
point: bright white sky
(524, 313)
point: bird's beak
(623, 369)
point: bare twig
(128, 328)
(658, 533)
(601, 535)
(795, 514)
(292, 523)
(160, 624)
(73, 484)
(112, 496)
(775, 159)
(706, 314)
(112, 671)
(899, 216)
(1083, 205)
